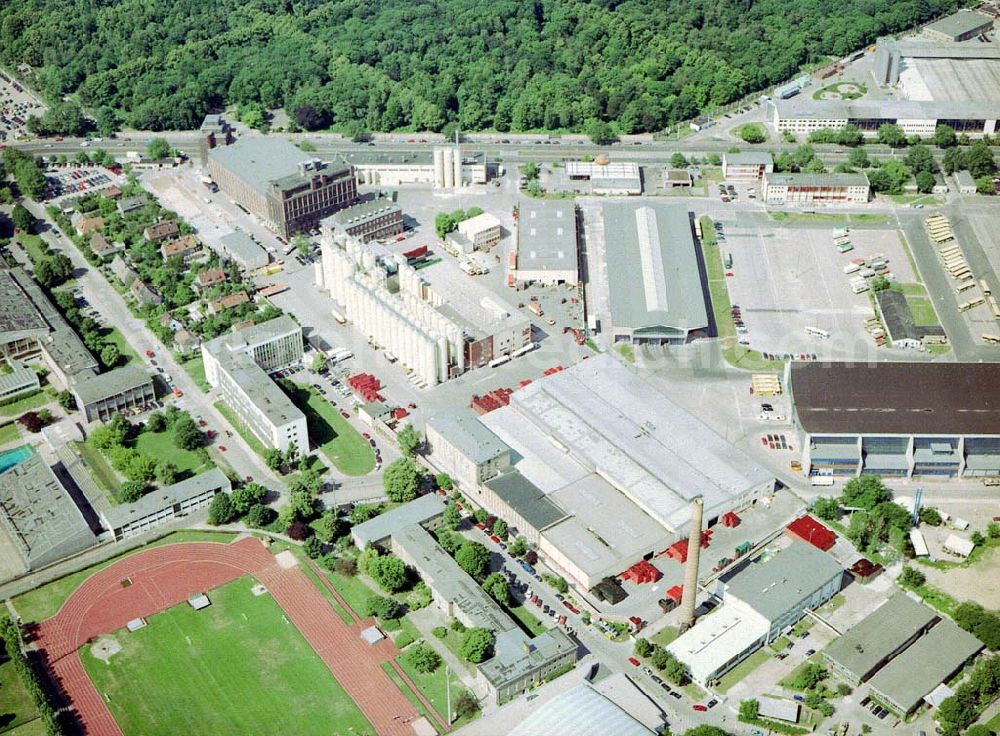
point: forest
(381, 65)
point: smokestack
(691, 570)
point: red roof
(642, 572)
(675, 593)
(415, 253)
(809, 530)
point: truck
(728, 262)
(536, 308)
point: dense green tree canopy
(365, 65)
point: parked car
(633, 661)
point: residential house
(143, 294)
(186, 247)
(228, 302)
(85, 225)
(161, 231)
(111, 192)
(122, 271)
(102, 248)
(209, 278)
(169, 322)
(186, 342)
(130, 204)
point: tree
(423, 658)
(879, 283)
(809, 676)
(598, 131)
(187, 436)
(66, 400)
(865, 491)
(409, 440)
(530, 171)
(156, 422)
(930, 516)
(388, 572)
(166, 472)
(319, 363)
(131, 491)
(303, 505)
(53, 270)
(678, 161)
(22, 219)
(642, 648)
(452, 517)
(362, 512)
(273, 458)
(466, 705)
(220, 511)
(826, 508)
(752, 133)
(979, 159)
(500, 528)
(919, 158)
(474, 558)
(858, 158)
(291, 457)
(496, 585)
(476, 645)
(749, 709)
(925, 182)
(892, 135)
(31, 422)
(444, 481)
(311, 118)
(985, 185)
(480, 516)
(977, 538)
(259, 516)
(297, 529)
(401, 480)
(910, 577)
(953, 160)
(313, 548)
(110, 355)
(518, 547)
(706, 731)
(993, 530)
(944, 137)
(330, 526)
(382, 607)
(158, 148)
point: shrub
(298, 530)
(440, 632)
(423, 659)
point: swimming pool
(10, 458)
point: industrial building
(816, 188)
(463, 444)
(118, 391)
(481, 232)
(898, 321)
(39, 521)
(447, 167)
(164, 504)
(370, 220)
(603, 468)
(243, 250)
(239, 365)
(898, 419)
(760, 603)
(654, 273)
(582, 711)
(289, 190)
(607, 177)
(437, 321)
(545, 251)
(750, 166)
(960, 26)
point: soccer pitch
(237, 667)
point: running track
(166, 576)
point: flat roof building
(372, 219)
(816, 188)
(288, 189)
(546, 250)
(378, 530)
(464, 448)
(482, 231)
(654, 274)
(581, 711)
(933, 659)
(607, 177)
(99, 397)
(749, 166)
(18, 380)
(719, 642)
(41, 521)
(868, 645)
(960, 26)
(246, 252)
(898, 419)
(239, 364)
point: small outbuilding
(198, 602)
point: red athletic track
(166, 576)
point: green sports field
(236, 667)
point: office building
(960, 26)
(425, 510)
(118, 391)
(898, 419)
(546, 249)
(654, 275)
(164, 504)
(437, 321)
(17, 380)
(467, 451)
(760, 603)
(39, 521)
(239, 364)
(483, 231)
(816, 189)
(289, 190)
(748, 167)
(374, 219)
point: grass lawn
(666, 635)
(16, 408)
(627, 352)
(161, 444)
(42, 602)
(100, 470)
(781, 644)
(195, 367)
(434, 685)
(693, 691)
(336, 438)
(527, 620)
(994, 723)
(743, 669)
(9, 433)
(116, 338)
(35, 247)
(409, 694)
(32, 728)
(255, 444)
(236, 667)
(922, 310)
(831, 217)
(16, 705)
(354, 591)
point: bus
(817, 332)
(984, 287)
(499, 361)
(966, 306)
(965, 286)
(992, 339)
(821, 480)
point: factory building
(606, 177)
(654, 275)
(760, 603)
(748, 167)
(371, 220)
(437, 322)
(961, 26)
(289, 190)
(239, 364)
(816, 188)
(898, 419)
(546, 250)
(597, 468)
(447, 167)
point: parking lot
(786, 280)
(66, 180)
(16, 105)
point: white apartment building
(239, 364)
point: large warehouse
(603, 468)
(546, 250)
(654, 274)
(898, 419)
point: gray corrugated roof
(926, 664)
(259, 160)
(468, 435)
(526, 499)
(964, 178)
(807, 108)
(960, 23)
(244, 249)
(118, 516)
(761, 158)
(774, 587)
(653, 271)
(364, 211)
(546, 235)
(865, 645)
